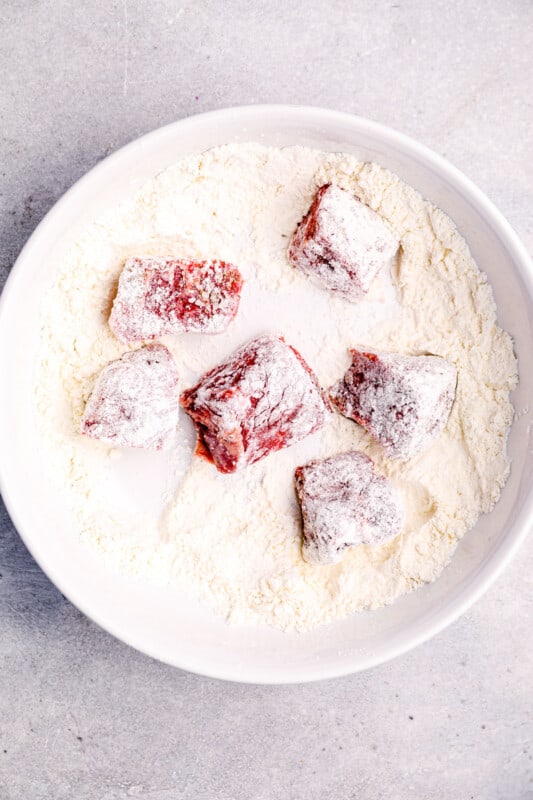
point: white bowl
(157, 620)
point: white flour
(234, 540)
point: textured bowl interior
(161, 621)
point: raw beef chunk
(403, 401)
(344, 503)
(135, 400)
(171, 295)
(263, 398)
(342, 243)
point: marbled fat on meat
(135, 401)
(342, 243)
(262, 399)
(345, 503)
(403, 401)
(157, 296)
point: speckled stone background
(83, 716)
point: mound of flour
(234, 540)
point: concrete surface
(83, 716)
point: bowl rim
(517, 251)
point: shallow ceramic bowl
(159, 621)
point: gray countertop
(84, 716)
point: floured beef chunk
(263, 398)
(135, 400)
(157, 296)
(345, 503)
(403, 401)
(342, 243)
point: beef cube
(157, 296)
(342, 243)
(263, 398)
(135, 401)
(345, 503)
(403, 401)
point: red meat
(342, 243)
(403, 401)
(170, 295)
(263, 398)
(134, 402)
(344, 503)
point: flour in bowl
(234, 540)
